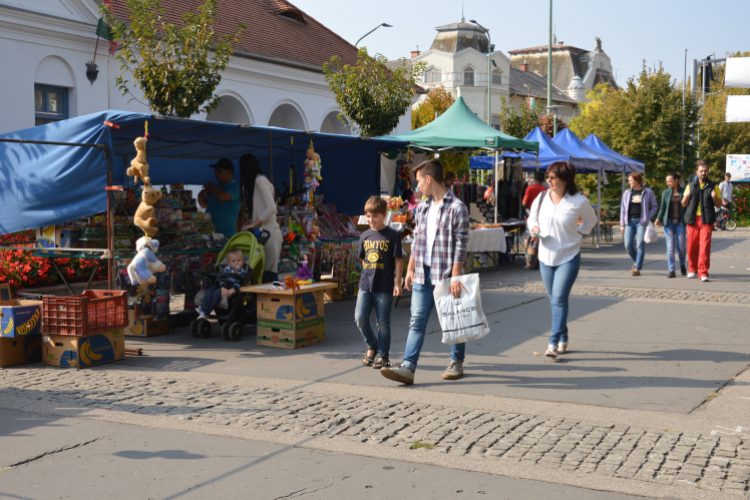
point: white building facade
(47, 43)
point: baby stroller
(242, 308)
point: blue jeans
(211, 299)
(675, 232)
(634, 241)
(381, 302)
(558, 280)
(422, 303)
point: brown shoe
(634, 271)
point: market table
(517, 235)
(51, 256)
(290, 319)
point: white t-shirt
(432, 226)
(726, 190)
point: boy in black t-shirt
(380, 253)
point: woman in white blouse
(259, 205)
(554, 223)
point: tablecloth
(487, 240)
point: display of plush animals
(144, 265)
(145, 216)
(313, 166)
(139, 166)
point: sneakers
(401, 374)
(704, 279)
(683, 269)
(672, 274)
(202, 315)
(692, 276)
(454, 371)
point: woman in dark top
(636, 211)
(672, 216)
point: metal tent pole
(598, 208)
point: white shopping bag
(650, 236)
(461, 319)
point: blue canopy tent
(60, 171)
(629, 165)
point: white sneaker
(692, 276)
(201, 316)
(704, 278)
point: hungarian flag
(104, 31)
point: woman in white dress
(259, 207)
(554, 223)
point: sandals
(382, 363)
(368, 360)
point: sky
(631, 31)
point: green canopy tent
(460, 128)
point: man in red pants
(700, 200)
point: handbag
(461, 319)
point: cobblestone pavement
(654, 455)
(627, 293)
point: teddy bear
(145, 216)
(139, 167)
(143, 266)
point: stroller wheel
(194, 328)
(204, 328)
(235, 332)
(225, 331)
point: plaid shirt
(450, 241)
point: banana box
(20, 318)
(145, 326)
(291, 334)
(81, 352)
(21, 350)
(300, 306)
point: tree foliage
(372, 96)
(438, 101)
(718, 138)
(643, 121)
(177, 68)
(519, 121)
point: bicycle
(723, 221)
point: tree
(718, 138)
(518, 122)
(178, 69)
(373, 97)
(438, 101)
(643, 121)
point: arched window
(433, 75)
(497, 77)
(469, 76)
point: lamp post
(554, 117)
(489, 72)
(549, 61)
(384, 25)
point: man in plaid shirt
(438, 254)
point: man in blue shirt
(222, 200)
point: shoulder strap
(541, 200)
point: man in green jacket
(672, 217)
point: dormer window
(497, 77)
(469, 76)
(433, 75)
(292, 14)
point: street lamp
(554, 117)
(489, 72)
(549, 62)
(384, 25)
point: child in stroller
(243, 257)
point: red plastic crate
(92, 312)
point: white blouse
(264, 205)
(560, 234)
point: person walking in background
(672, 217)
(727, 193)
(700, 198)
(637, 209)
(531, 248)
(554, 222)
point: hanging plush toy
(144, 265)
(145, 216)
(139, 166)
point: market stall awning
(550, 152)
(575, 146)
(459, 127)
(629, 165)
(58, 172)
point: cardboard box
(81, 352)
(20, 350)
(291, 334)
(60, 237)
(20, 318)
(302, 306)
(145, 326)
(5, 294)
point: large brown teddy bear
(145, 216)
(139, 167)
